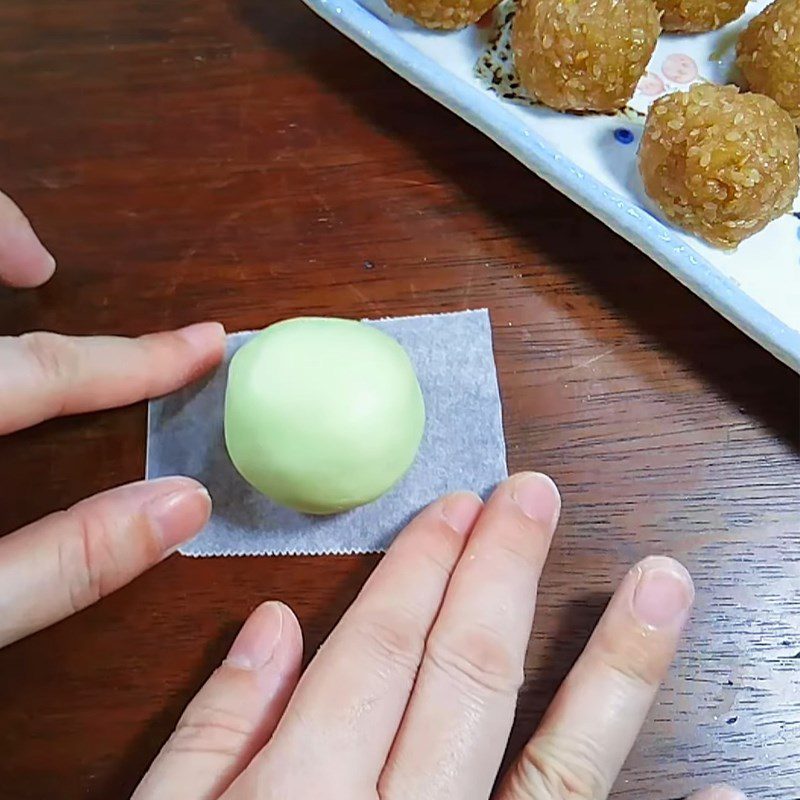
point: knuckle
(52, 355)
(396, 638)
(632, 673)
(520, 551)
(99, 552)
(209, 730)
(434, 561)
(552, 769)
(477, 657)
(634, 663)
(88, 566)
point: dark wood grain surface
(238, 160)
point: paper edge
(149, 430)
(278, 553)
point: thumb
(234, 714)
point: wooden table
(238, 160)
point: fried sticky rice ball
(768, 54)
(584, 55)
(719, 164)
(444, 14)
(695, 16)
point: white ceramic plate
(589, 159)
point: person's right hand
(413, 695)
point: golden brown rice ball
(718, 163)
(444, 14)
(584, 55)
(769, 55)
(695, 16)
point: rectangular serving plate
(757, 287)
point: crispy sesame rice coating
(696, 16)
(768, 55)
(584, 55)
(443, 14)
(719, 164)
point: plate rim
(633, 223)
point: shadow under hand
(135, 761)
(551, 656)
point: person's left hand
(64, 562)
(24, 260)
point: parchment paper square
(463, 447)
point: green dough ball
(322, 415)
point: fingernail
(179, 515)
(258, 639)
(203, 335)
(461, 510)
(720, 792)
(664, 593)
(538, 497)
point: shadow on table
(549, 661)
(134, 762)
(674, 318)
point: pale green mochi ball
(322, 414)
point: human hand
(414, 693)
(64, 562)
(24, 261)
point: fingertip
(25, 263)
(719, 792)
(537, 496)
(292, 630)
(667, 564)
(461, 510)
(178, 512)
(270, 628)
(197, 348)
(288, 617)
(204, 337)
(664, 592)
(40, 269)
(48, 266)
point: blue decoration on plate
(624, 136)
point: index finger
(24, 261)
(44, 375)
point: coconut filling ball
(443, 14)
(322, 414)
(696, 16)
(768, 54)
(719, 164)
(584, 55)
